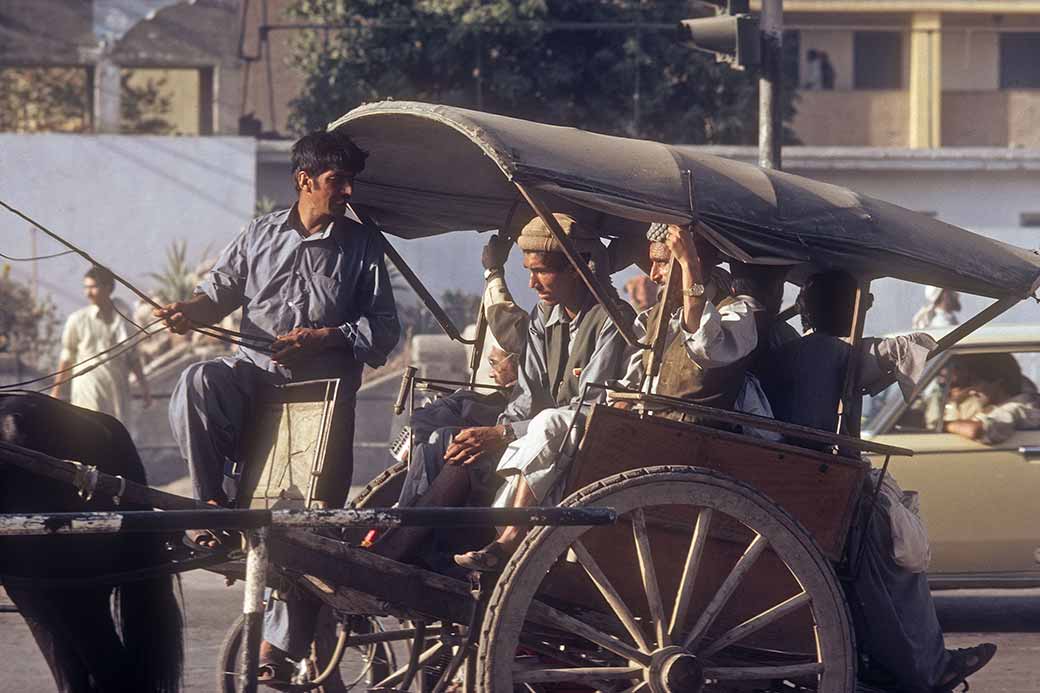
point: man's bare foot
(206, 538)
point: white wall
(123, 199)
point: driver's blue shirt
(283, 280)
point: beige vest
(681, 377)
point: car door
(980, 503)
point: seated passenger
(804, 383)
(765, 284)
(571, 342)
(711, 336)
(434, 426)
(897, 631)
(1003, 401)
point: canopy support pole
(973, 323)
(579, 264)
(669, 303)
(851, 404)
(442, 318)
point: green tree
(177, 280)
(144, 107)
(28, 326)
(524, 58)
(44, 99)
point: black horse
(98, 635)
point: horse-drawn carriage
(722, 570)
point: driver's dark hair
(827, 301)
(971, 369)
(102, 277)
(321, 151)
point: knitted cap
(535, 236)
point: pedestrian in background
(105, 387)
(940, 310)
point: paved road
(1009, 618)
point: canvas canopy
(435, 169)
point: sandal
(489, 559)
(274, 670)
(963, 663)
(208, 540)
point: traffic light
(731, 34)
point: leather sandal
(963, 663)
(274, 670)
(490, 559)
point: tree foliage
(28, 326)
(38, 99)
(524, 58)
(177, 280)
(144, 106)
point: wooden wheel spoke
(756, 623)
(576, 674)
(649, 575)
(396, 676)
(613, 599)
(729, 585)
(547, 615)
(690, 569)
(637, 688)
(791, 671)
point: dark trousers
(892, 609)
(210, 408)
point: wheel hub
(674, 670)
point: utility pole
(770, 85)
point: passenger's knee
(554, 422)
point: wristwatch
(510, 433)
(696, 290)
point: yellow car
(980, 503)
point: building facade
(916, 73)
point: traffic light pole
(770, 85)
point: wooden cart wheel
(704, 584)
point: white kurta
(105, 388)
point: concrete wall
(273, 80)
(124, 199)
(875, 118)
(970, 60)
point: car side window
(925, 411)
(934, 405)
